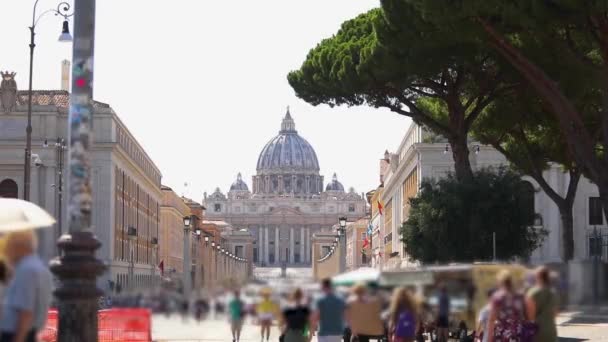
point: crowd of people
(366, 313)
(510, 315)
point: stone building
(125, 181)
(358, 253)
(422, 155)
(171, 235)
(287, 203)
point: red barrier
(125, 325)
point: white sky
(202, 84)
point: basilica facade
(287, 203)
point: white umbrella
(17, 215)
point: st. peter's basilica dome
(287, 151)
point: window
(351, 208)
(296, 258)
(238, 251)
(595, 211)
(595, 246)
(9, 189)
(363, 236)
(271, 258)
(364, 259)
(255, 254)
(297, 243)
(217, 207)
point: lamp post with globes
(197, 260)
(64, 10)
(342, 243)
(186, 282)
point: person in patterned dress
(507, 312)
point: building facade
(171, 237)
(422, 155)
(287, 204)
(358, 251)
(125, 181)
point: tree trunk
(460, 154)
(567, 218)
(604, 198)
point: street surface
(570, 327)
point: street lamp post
(197, 257)
(60, 148)
(187, 259)
(342, 243)
(154, 243)
(77, 267)
(63, 9)
(132, 236)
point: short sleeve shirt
(30, 290)
(331, 315)
(235, 306)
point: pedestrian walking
(296, 318)
(481, 332)
(265, 311)
(328, 315)
(236, 309)
(443, 317)
(185, 309)
(29, 293)
(403, 316)
(363, 314)
(507, 312)
(542, 307)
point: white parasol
(18, 215)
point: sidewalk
(584, 315)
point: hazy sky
(202, 84)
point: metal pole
(78, 268)
(28, 128)
(342, 241)
(131, 265)
(494, 246)
(60, 187)
(187, 263)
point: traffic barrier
(125, 325)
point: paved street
(571, 328)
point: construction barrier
(125, 325)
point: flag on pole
(370, 230)
(380, 207)
(365, 242)
(162, 267)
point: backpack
(405, 327)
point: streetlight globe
(342, 221)
(187, 221)
(206, 238)
(65, 33)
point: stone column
(259, 245)
(266, 245)
(277, 250)
(291, 244)
(307, 249)
(267, 184)
(307, 185)
(281, 184)
(302, 256)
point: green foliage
(453, 221)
